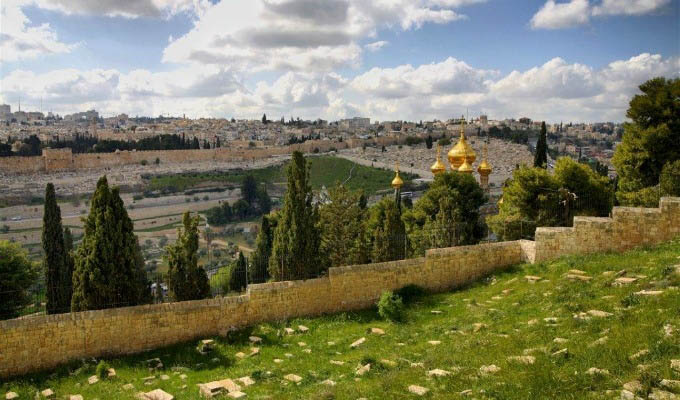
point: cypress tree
(107, 270)
(295, 252)
(259, 269)
(186, 280)
(541, 156)
(237, 279)
(57, 274)
(388, 232)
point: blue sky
(310, 58)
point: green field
(324, 171)
(485, 324)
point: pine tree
(107, 263)
(238, 278)
(186, 280)
(428, 141)
(341, 221)
(295, 253)
(217, 143)
(259, 268)
(388, 232)
(57, 271)
(541, 156)
(69, 264)
(264, 118)
(17, 275)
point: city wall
(55, 160)
(43, 342)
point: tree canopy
(649, 142)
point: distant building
(5, 110)
(355, 123)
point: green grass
(325, 171)
(504, 303)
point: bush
(410, 293)
(391, 307)
(144, 162)
(670, 179)
(158, 161)
(102, 370)
(4, 229)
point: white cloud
(19, 40)
(629, 7)
(448, 76)
(298, 35)
(375, 46)
(561, 15)
(578, 12)
(557, 90)
(554, 79)
(126, 8)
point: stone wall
(55, 160)
(44, 342)
(628, 227)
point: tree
(387, 232)
(185, 279)
(195, 144)
(297, 239)
(264, 118)
(534, 197)
(649, 142)
(341, 221)
(259, 268)
(57, 267)
(107, 266)
(447, 214)
(17, 274)
(670, 179)
(541, 156)
(264, 202)
(238, 278)
(428, 141)
(217, 143)
(249, 189)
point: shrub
(410, 293)
(391, 307)
(4, 229)
(631, 300)
(158, 161)
(144, 162)
(102, 370)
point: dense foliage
(108, 271)
(254, 201)
(650, 141)
(238, 279)
(447, 214)
(541, 155)
(56, 262)
(297, 238)
(534, 197)
(185, 279)
(259, 268)
(17, 274)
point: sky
(553, 60)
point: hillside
(569, 329)
(324, 171)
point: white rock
(293, 378)
(363, 370)
(418, 390)
(303, 329)
(489, 369)
(434, 342)
(357, 343)
(438, 372)
(527, 360)
(328, 382)
(597, 371)
(255, 339)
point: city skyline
(575, 61)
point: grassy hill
(325, 171)
(506, 321)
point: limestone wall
(43, 342)
(53, 160)
(628, 227)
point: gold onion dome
(465, 167)
(484, 167)
(462, 151)
(438, 167)
(397, 182)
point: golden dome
(397, 182)
(485, 168)
(462, 151)
(438, 167)
(465, 168)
